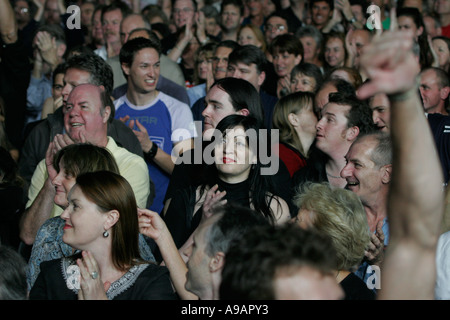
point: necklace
(336, 177)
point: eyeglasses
(184, 10)
(21, 10)
(278, 27)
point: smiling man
(343, 119)
(321, 12)
(368, 174)
(163, 124)
(86, 119)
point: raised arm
(151, 225)
(42, 203)
(8, 24)
(416, 199)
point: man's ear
(298, 59)
(217, 262)
(106, 114)
(243, 112)
(386, 174)
(444, 92)
(419, 31)
(352, 133)
(125, 68)
(261, 78)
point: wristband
(152, 152)
(396, 97)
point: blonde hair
(292, 103)
(339, 214)
(258, 35)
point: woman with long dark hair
(236, 173)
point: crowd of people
(224, 149)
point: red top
(291, 157)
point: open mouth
(351, 184)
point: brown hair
(110, 191)
(84, 157)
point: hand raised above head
(390, 65)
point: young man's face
(143, 74)
(218, 106)
(332, 127)
(320, 13)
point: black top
(355, 288)
(180, 218)
(190, 174)
(58, 281)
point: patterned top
(48, 245)
(60, 280)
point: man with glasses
(276, 24)
(219, 70)
(27, 24)
(184, 12)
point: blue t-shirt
(167, 121)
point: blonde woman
(339, 214)
(249, 34)
(295, 118)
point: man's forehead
(223, 51)
(83, 90)
(242, 65)
(363, 146)
(132, 22)
(75, 74)
(183, 3)
(336, 109)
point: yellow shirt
(131, 166)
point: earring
(105, 234)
